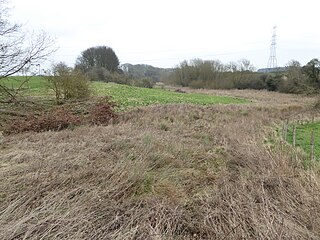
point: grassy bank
(126, 96)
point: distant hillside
(139, 71)
(272, 70)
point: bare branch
(19, 50)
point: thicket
(144, 71)
(296, 78)
(213, 74)
(103, 75)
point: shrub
(196, 84)
(272, 82)
(68, 83)
(143, 82)
(250, 80)
(103, 75)
(98, 74)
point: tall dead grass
(162, 172)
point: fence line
(300, 121)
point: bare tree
(245, 65)
(19, 50)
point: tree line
(213, 74)
(100, 63)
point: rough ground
(164, 172)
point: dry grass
(161, 172)
(263, 97)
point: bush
(144, 82)
(249, 80)
(272, 82)
(103, 75)
(196, 84)
(98, 74)
(68, 83)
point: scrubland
(176, 171)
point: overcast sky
(165, 32)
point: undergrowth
(163, 172)
(97, 111)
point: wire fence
(290, 132)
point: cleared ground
(164, 172)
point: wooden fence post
(294, 135)
(286, 129)
(312, 147)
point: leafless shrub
(68, 83)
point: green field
(127, 96)
(35, 86)
(303, 137)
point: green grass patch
(129, 96)
(35, 86)
(125, 96)
(303, 137)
